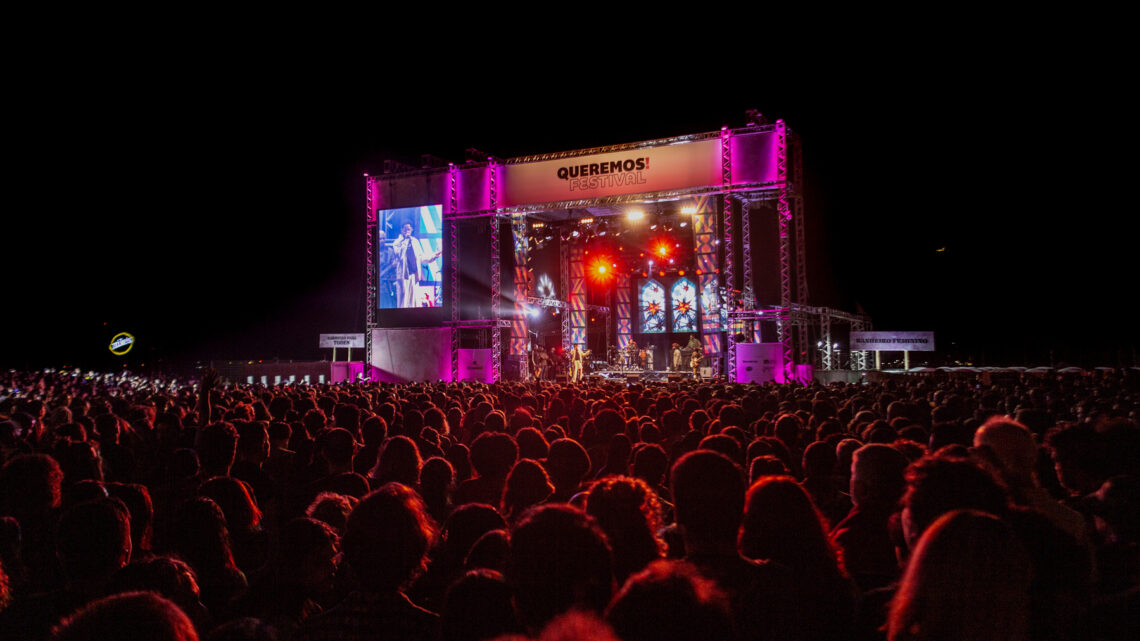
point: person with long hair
(968, 580)
(782, 524)
(385, 543)
(629, 513)
(527, 484)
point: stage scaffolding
(810, 323)
(722, 228)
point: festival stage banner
(893, 341)
(634, 171)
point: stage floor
(625, 375)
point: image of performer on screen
(409, 261)
(386, 264)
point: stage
(694, 242)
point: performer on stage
(576, 358)
(409, 261)
(676, 357)
(542, 363)
(631, 354)
(695, 359)
(649, 357)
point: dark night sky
(215, 209)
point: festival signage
(121, 343)
(341, 340)
(475, 365)
(759, 363)
(634, 171)
(893, 341)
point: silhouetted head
(708, 497)
(670, 601)
(967, 579)
(131, 615)
(560, 560)
(387, 538)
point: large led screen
(409, 257)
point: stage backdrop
(759, 363)
(404, 355)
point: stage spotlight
(603, 228)
(634, 215)
(663, 250)
(575, 233)
(661, 273)
(681, 273)
(688, 209)
(653, 227)
(684, 224)
(588, 220)
(668, 226)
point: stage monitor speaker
(675, 377)
(632, 378)
(595, 378)
(561, 378)
(706, 372)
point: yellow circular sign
(122, 343)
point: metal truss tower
(453, 266)
(370, 274)
(729, 246)
(784, 216)
(496, 279)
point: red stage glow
(601, 269)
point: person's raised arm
(209, 379)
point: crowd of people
(941, 509)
